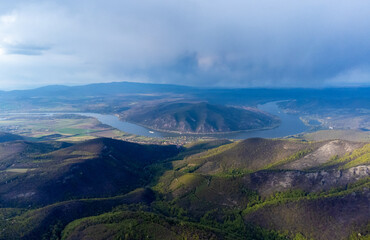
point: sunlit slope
(257, 154)
(268, 179)
(251, 189)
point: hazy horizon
(181, 85)
(209, 43)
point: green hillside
(255, 175)
(251, 189)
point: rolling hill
(250, 189)
(256, 177)
(200, 117)
(7, 137)
(95, 168)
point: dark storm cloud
(26, 50)
(207, 43)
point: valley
(184, 120)
(250, 189)
(182, 165)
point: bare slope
(325, 195)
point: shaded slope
(137, 225)
(96, 168)
(48, 222)
(199, 118)
(7, 137)
(20, 154)
(332, 218)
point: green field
(74, 128)
(56, 127)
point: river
(290, 125)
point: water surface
(290, 125)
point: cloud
(26, 49)
(359, 76)
(208, 43)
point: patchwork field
(61, 127)
(75, 128)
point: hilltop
(199, 117)
(40, 173)
(277, 184)
(251, 189)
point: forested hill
(199, 118)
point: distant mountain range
(212, 95)
(332, 107)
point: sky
(207, 43)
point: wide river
(290, 125)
